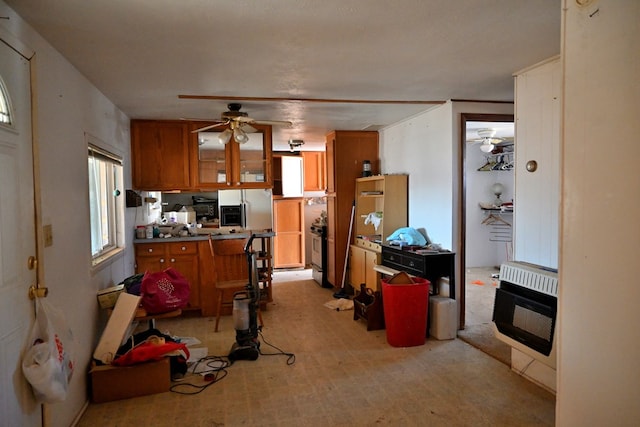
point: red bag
(164, 291)
(153, 348)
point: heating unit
(524, 316)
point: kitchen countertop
(215, 235)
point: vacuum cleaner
(245, 318)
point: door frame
(462, 191)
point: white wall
(427, 147)
(483, 247)
(422, 147)
(599, 342)
(66, 106)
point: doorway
(487, 192)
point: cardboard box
(117, 327)
(107, 297)
(114, 383)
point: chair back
(229, 259)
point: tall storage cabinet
(381, 208)
(345, 153)
(385, 195)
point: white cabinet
(288, 176)
(537, 169)
(292, 176)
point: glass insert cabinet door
(233, 164)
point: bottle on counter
(149, 232)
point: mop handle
(346, 255)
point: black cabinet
(418, 262)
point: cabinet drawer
(183, 248)
(413, 263)
(368, 244)
(392, 260)
(150, 249)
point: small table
(419, 262)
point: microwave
(209, 210)
(232, 216)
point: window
(5, 105)
(106, 207)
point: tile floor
(342, 376)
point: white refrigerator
(257, 205)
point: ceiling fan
(239, 124)
(489, 141)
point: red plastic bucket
(405, 312)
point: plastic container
(405, 312)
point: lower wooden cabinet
(361, 263)
(194, 261)
(181, 256)
(288, 243)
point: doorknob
(36, 292)
(32, 263)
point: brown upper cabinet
(160, 155)
(232, 165)
(166, 155)
(315, 170)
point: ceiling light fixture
(487, 148)
(295, 143)
(487, 142)
(225, 136)
(240, 136)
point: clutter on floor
(340, 304)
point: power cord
(291, 358)
(214, 371)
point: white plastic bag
(48, 363)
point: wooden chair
(231, 272)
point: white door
(17, 242)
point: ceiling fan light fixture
(240, 136)
(225, 136)
(486, 148)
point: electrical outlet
(47, 231)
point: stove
(319, 254)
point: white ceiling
(142, 54)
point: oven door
(316, 251)
(232, 216)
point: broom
(341, 293)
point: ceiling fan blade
(272, 122)
(191, 119)
(202, 129)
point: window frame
(6, 107)
(112, 222)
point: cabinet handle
(161, 260)
(150, 250)
(183, 248)
(173, 260)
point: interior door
(17, 239)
